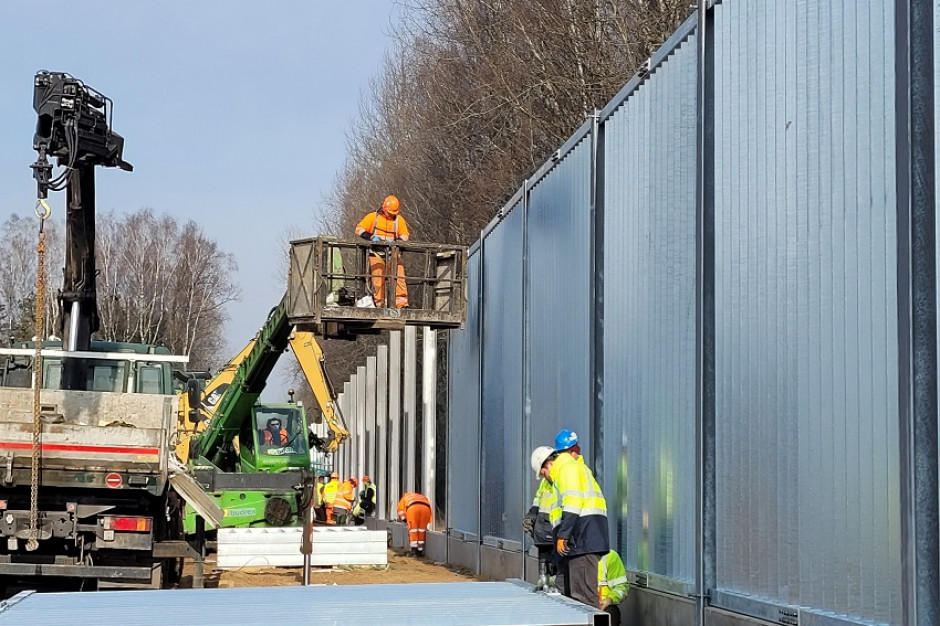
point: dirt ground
(401, 569)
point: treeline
(473, 98)
(477, 94)
(159, 281)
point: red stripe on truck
(65, 447)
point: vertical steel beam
(339, 457)
(705, 400)
(917, 311)
(351, 424)
(394, 419)
(359, 469)
(369, 465)
(381, 426)
(596, 401)
(481, 317)
(526, 382)
(429, 415)
(410, 383)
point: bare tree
(477, 94)
(20, 237)
(163, 283)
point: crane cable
(42, 212)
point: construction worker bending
(612, 584)
(537, 521)
(579, 519)
(330, 490)
(387, 226)
(415, 509)
(343, 502)
(365, 505)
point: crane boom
(310, 357)
(247, 385)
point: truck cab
(116, 367)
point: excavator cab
(281, 433)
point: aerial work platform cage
(332, 287)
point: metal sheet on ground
(481, 603)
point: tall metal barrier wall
(649, 320)
(727, 289)
(806, 305)
(502, 379)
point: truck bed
(89, 439)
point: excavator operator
(274, 435)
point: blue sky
(234, 113)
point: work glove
(528, 524)
(376, 238)
(561, 547)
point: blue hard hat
(565, 439)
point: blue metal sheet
(479, 603)
(649, 319)
(806, 305)
(559, 300)
(463, 430)
(502, 379)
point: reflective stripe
(617, 581)
(585, 512)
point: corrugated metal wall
(559, 299)
(806, 304)
(649, 319)
(800, 455)
(463, 416)
(502, 377)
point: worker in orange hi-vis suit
(343, 503)
(415, 509)
(385, 226)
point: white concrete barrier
(280, 547)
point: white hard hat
(539, 456)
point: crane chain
(33, 541)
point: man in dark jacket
(537, 521)
(579, 519)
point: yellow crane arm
(310, 357)
(211, 395)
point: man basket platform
(332, 289)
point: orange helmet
(390, 205)
(366, 479)
(354, 481)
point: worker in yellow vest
(612, 584)
(579, 519)
(537, 521)
(330, 490)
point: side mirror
(194, 390)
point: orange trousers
(377, 268)
(417, 518)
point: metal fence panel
(463, 423)
(502, 379)
(649, 320)
(559, 296)
(806, 304)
